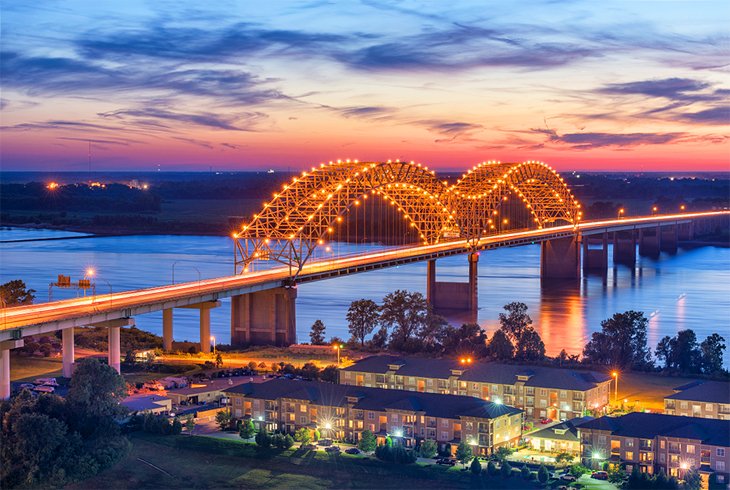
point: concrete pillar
(560, 259)
(67, 351)
(669, 238)
(473, 277)
(650, 240)
(5, 366)
(595, 259)
(167, 329)
(264, 317)
(624, 248)
(205, 330)
(686, 231)
(430, 280)
(115, 348)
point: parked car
(600, 475)
(44, 389)
(28, 386)
(46, 381)
(446, 461)
(309, 447)
(545, 420)
(352, 450)
(568, 477)
(324, 442)
(332, 449)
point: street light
(682, 207)
(615, 393)
(621, 212)
(654, 209)
(338, 347)
(465, 360)
(212, 337)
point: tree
(176, 427)
(303, 435)
(692, 480)
(428, 448)
(329, 374)
(515, 321)
(190, 423)
(288, 441)
(432, 333)
(248, 430)
(368, 442)
(712, 349)
(526, 473)
(406, 313)
(663, 351)
(530, 346)
(218, 360)
(95, 391)
(542, 474)
(621, 342)
(500, 347)
(362, 318)
(686, 352)
(475, 467)
(470, 338)
(464, 452)
(263, 439)
(316, 435)
(317, 334)
(505, 470)
(501, 453)
(380, 339)
(223, 419)
(492, 469)
(566, 458)
(14, 293)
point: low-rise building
(205, 391)
(540, 391)
(558, 438)
(652, 441)
(343, 412)
(147, 404)
(708, 399)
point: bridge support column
(67, 351)
(167, 329)
(204, 308)
(595, 259)
(265, 317)
(560, 259)
(115, 353)
(686, 231)
(669, 238)
(5, 366)
(447, 297)
(624, 248)
(650, 240)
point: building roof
(703, 391)
(218, 384)
(364, 398)
(146, 402)
(564, 431)
(649, 425)
(484, 372)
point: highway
(46, 317)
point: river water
(687, 290)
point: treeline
(405, 323)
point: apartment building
(707, 399)
(652, 441)
(342, 412)
(538, 390)
(558, 438)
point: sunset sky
(640, 85)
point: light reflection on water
(687, 290)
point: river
(676, 292)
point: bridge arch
(308, 209)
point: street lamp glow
(596, 455)
(90, 272)
(497, 401)
(328, 425)
(398, 433)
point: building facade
(652, 441)
(707, 399)
(344, 412)
(558, 438)
(538, 390)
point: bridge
(435, 220)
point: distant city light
(52, 186)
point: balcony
(669, 404)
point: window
(444, 435)
(302, 419)
(543, 392)
(394, 418)
(469, 426)
(411, 380)
(629, 455)
(662, 444)
(371, 416)
(475, 386)
(690, 448)
(720, 452)
(709, 407)
(563, 394)
(683, 405)
(302, 408)
(495, 388)
(662, 457)
(444, 423)
(629, 443)
(720, 465)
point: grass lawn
(204, 462)
(25, 368)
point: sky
(174, 85)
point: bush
(492, 469)
(395, 454)
(303, 435)
(263, 440)
(542, 474)
(223, 419)
(506, 470)
(247, 430)
(476, 466)
(368, 442)
(428, 448)
(526, 473)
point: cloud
(367, 112)
(452, 130)
(670, 88)
(235, 122)
(588, 141)
(715, 115)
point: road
(129, 303)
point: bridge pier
(5, 366)
(595, 259)
(67, 351)
(204, 308)
(115, 354)
(669, 238)
(264, 318)
(650, 240)
(451, 296)
(167, 329)
(624, 248)
(560, 258)
(686, 231)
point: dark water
(687, 290)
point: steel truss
(305, 213)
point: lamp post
(338, 347)
(615, 392)
(621, 212)
(654, 210)
(212, 337)
(682, 207)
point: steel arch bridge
(305, 213)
